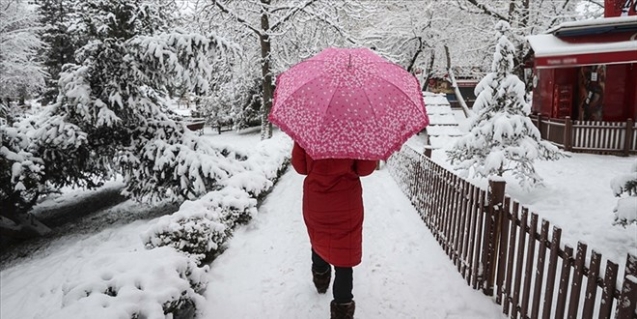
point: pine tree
(111, 116)
(62, 39)
(124, 19)
(502, 138)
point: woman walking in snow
(333, 214)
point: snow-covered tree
(21, 73)
(399, 32)
(271, 30)
(111, 116)
(502, 137)
(421, 36)
(626, 209)
(525, 17)
(58, 19)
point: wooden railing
(589, 136)
(497, 247)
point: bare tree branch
(597, 3)
(333, 25)
(238, 18)
(487, 10)
(291, 14)
(554, 21)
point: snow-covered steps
(443, 121)
(441, 115)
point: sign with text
(580, 59)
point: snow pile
(137, 284)
(626, 209)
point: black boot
(342, 310)
(322, 280)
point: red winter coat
(333, 205)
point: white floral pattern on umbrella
(348, 103)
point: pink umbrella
(348, 103)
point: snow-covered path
(265, 273)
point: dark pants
(343, 281)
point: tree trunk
(519, 14)
(430, 67)
(410, 68)
(448, 55)
(264, 37)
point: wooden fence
(496, 245)
(589, 136)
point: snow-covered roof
(550, 45)
(584, 24)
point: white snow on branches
(626, 208)
(502, 139)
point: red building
(587, 70)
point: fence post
(428, 151)
(539, 125)
(627, 302)
(492, 233)
(568, 134)
(629, 136)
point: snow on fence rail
(497, 248)
(589, 136)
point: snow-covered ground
(265, 272)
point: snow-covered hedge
(194, 230)
(166, 279)
(201, 227)
(157, 283)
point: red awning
(552, 52)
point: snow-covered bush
(502, 139)
(235, 205)
(165, 282)
(626, 209)
(158, 283)
(253, 183)
(264, 166)
(271, 157)
(201, 227)
(195, 230)
(20, 172)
